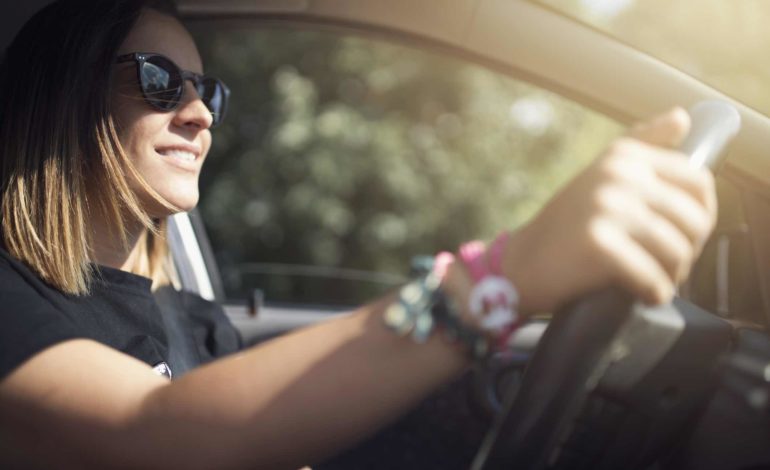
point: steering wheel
(613, 383)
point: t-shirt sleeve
(28, 322)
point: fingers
(669, 130)
(697, 182)
(665, 130)
(635, 269)
(663, 204)
(669, 234)
(667, 183)
(668, 246)
(670, 165)
(693, 218)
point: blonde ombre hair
(62, 162)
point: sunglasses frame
(140, 58)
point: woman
(97, 148)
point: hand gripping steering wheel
(613, 383)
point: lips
(180, 154)
(184, 156)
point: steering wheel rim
(566, 355)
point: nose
(191, 111)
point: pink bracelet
(472, 255)
(494, 299)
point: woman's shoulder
(30, 322)
(17, 282)
(118, 311)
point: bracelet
(494, 299)
(422, 307)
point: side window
(344, 158)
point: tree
(346, 152)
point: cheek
(127, 104)
(138, 134)
(140, 138)
(136, 122)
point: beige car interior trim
(523, 37)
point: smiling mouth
(178, 154)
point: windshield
(723, 44)
(345, 158)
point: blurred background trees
(350, 156)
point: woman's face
(167, 148)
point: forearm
(300, 397)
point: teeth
(180, 154)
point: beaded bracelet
(422, 307)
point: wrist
(457, 285)
(518, 269)
(469, 298)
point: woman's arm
(636, 218)
(283, 404)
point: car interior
(605, 384)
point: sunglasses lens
(161, 82)
(214, 95)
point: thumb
(664, 130)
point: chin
(183, 203)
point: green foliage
(345, 152)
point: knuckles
(626, 161)
(624, 146)
(599, 238)
(604, 199)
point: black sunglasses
(162, 83)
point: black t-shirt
(171, 331)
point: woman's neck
(111, 249)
